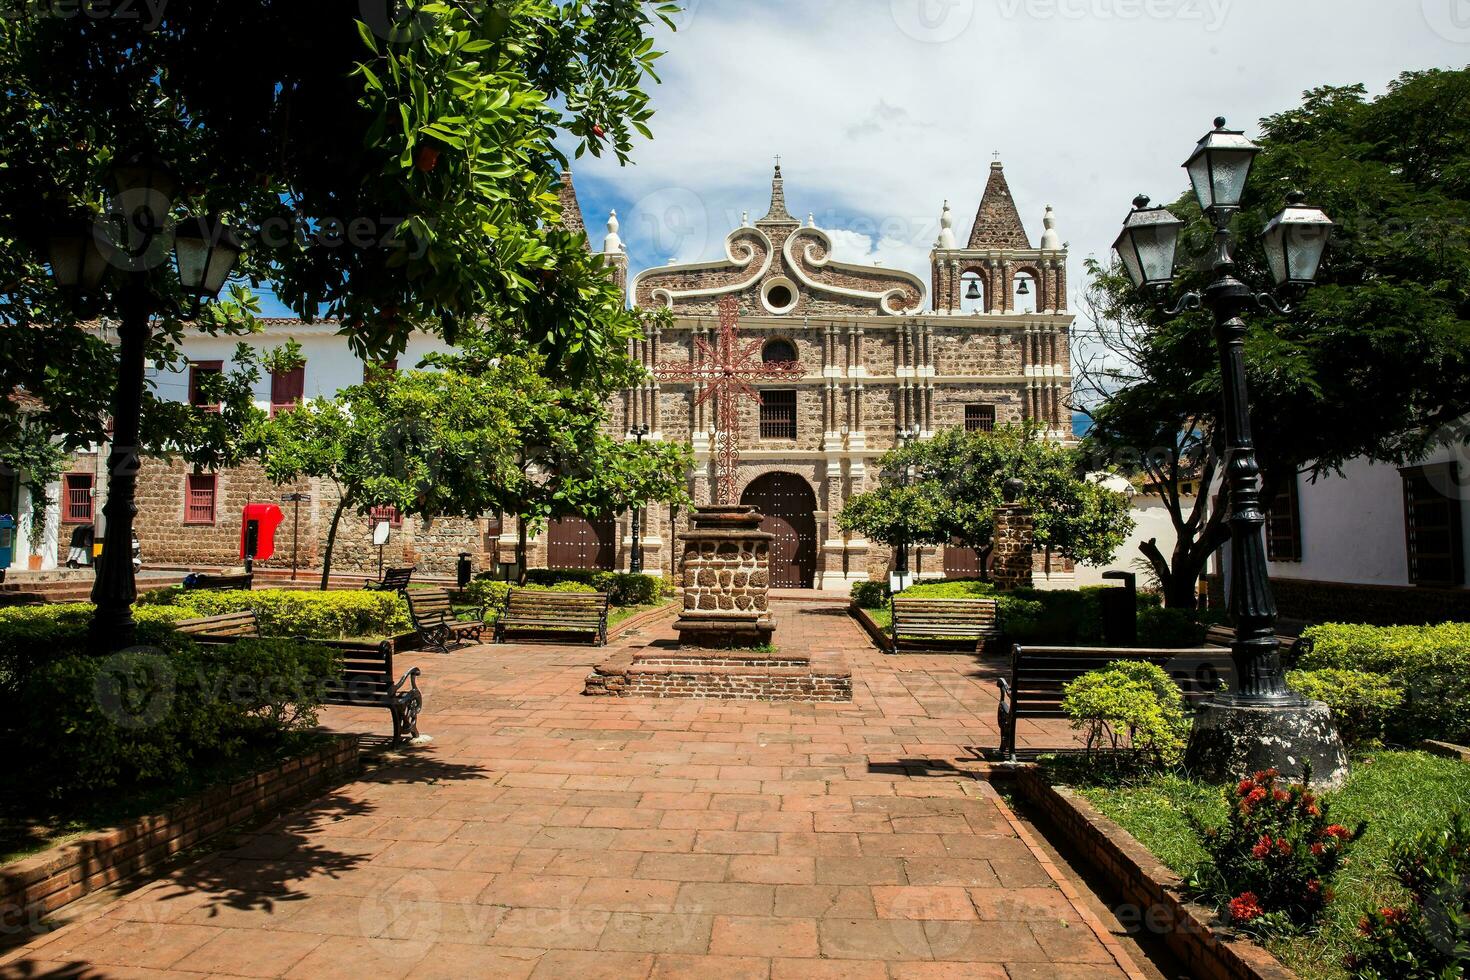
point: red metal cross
(727, 371)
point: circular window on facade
(779, 296)
(778, 351)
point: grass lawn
(617, 614)
(28, 825)
(1398, 793)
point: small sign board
(381, 531)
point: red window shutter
(287, 388)
(199, 498)
(389, 514)
(77, 498)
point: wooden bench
(1037, 676)
(202, 581)
(394, 580)
(224, 628)
(433, 616)
(1293, 648)
(367, 681)
(540, 611)
(926, 622)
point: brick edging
(642, 619)
(36, 886)
(876, 633)
(1448, 750)
(1208, 948)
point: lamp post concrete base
(1230, 741)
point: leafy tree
(455, 443)
(957, 487)
(395, 172)
(1374, 362)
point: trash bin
(465, 569)
(1120, 610)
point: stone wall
(1013, 560)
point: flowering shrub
(1428, 937)
(1273, 861)
(1129, 704)
(286, 612)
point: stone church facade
(883, 356)
(878, 364)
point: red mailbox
(258, 531)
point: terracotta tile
(868, 939)
(859, 871)
(725, 898)
(788, 969)
(1041, 904)
(950, 871)
(250, 953)
(456, 961)
(629, 895)
(657, 932)
(349, 958)
(601, 864)
(825, 901)
(674, 966)
(550, 928)
(564, 964)
(734, 842)
(736, 935)
(518, 890)
(684, 867)
(922, 902)
(782, 870)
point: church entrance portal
(577, 543)
(788, 510)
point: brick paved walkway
(544, 834)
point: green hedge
(32, 636)
(1361, 702)
(1060, 617)
(285, 612)
(1429, 664)
(146, 717)
(622, 588)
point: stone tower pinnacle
(778, 214)
(998, 223)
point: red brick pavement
(545, 834)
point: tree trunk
(1176, 578)
(332, 542)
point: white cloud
(883, 109)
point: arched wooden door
(788, 509)
(577, 543)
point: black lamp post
(131, 241)
(900, 578)
(635, 557)
(1260, 723)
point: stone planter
(725, 567)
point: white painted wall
(330, 363)
(1353, 525)
(46, 546)
(1152, 520)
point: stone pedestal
(725, 568)
(1011, 558)
(1230, 741)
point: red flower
(1245, 907)
(1262, 848)
(1339, 831)
(1251, 799)
(1318, 850)
(1283, 845)
(1313, 810)
(1314, 887)
(1393, 916)
(1245, 787)
(1281, 796)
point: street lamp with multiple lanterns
(1259, 723)
(129, 242)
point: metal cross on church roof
(725, 372)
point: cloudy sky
(882, 109)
